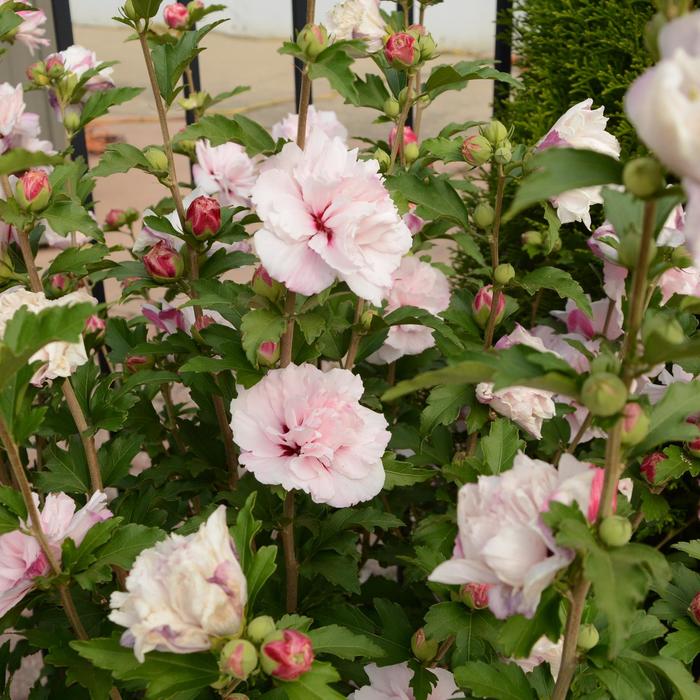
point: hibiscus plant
(291, 457)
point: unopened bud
(392, 108)
(423, 649)
(481, 306)
(648, 466)
(238, 659)
(615, 531)
(95, 326)
(265, 286)
(268, 353)
(163, 263)
(130, 11)
(60, 284)
(604, 394)
(366, 319)
(694, 609)
(259, 628)
(312, 40)
(643, 177)
(475, 595)
(286, 655)
(401, 50)
(411, 151)
(503, 153)
(635, 424)
(54, 66)
(680, 257)
(426, 46)
(156, 157)
(176, 16)
(33, 191)
(115, 219)
(136, 363)
(484, 215)
(383, 158)
(72, 118)
(532, 238)
(476, 150)
(588, 637)
(504, 274)
(495, 132)
(203, 218)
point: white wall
(465, 25)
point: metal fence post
(298, 23)
(196, 80)
(503, 51)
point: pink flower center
(321, 225)
(38, 567)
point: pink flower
(694, 609)
(409, 136)
(21, 557)
(317, 120)
(476, 595)
(357, 19)
(413, 221)
(656, 392)
(204, 217)
(77, 59)
(394, 683)
(288, 657)
(305, 429)
(176, 15)
(163, 263)
(31, 32)
(544, 651)
(418, 284)
(580, 127)
(481, 306)
(529, 408)
(225, 171)
(25, 135)
(326, 215)
(11, 107)
(400, 50)
(579, 324)
(169, 319)
(95, 325)
(648, 466)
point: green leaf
(100, 102)
(244, 531)
(444, 404)
(77, 260)
(17, 159)
(400, 473)
(559, 281)
(260, 570)
(675, 597)
(343, 643)
(494, 680)
(115, 456)
(65, 216)
(692, 548)
(673, 670)
(120, 158)
(423, 680)
(684, 643)
(220, 129)
(676, 464)
(13, 501)
(558, 170)
(333, 64)
(78, 670)
(501, 445)
(314, 684)
(668, 416)
(145, 9)
(65, 470)
(445, 620)
(626, 680)
(458, 76)
(259, 326)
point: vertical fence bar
(298, 23)
(196, 80)
(503, 52)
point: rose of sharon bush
(394, 683)
(326, 215)
(182, 592)
(502, 540)
(58, 359)
(316, 120)
(305, 429)
(358, 19)
(226, 171)
(418, 284)
(21, 556)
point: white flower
(183, 592)
(11, 107)
(529, 408)
(59, 359)
(77, 59)
(394, 683)
(226, 171)
(358, 19)
(544, 651)
(322, 120)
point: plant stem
(27, 255)
(398, 139)
(419, 107)
(495, 289)
(356, 335)
(290, 557)
(227, 435)
(172, 418)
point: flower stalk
(496, 291)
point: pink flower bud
(239, 658)
(417, 30)
(400, 50)
(312, 40)
(59, 284)
(475, 595)
(635, 424)
(409, 136)
(694, 609)
(204, 217)
(264, 285)
(481, 306)
(135, 363)
(54, 65)
(116, 218)
(95, 325)
(648, 467)
(268, 353)
(477, 149)
(176, 15)
(163, 263)
(33, 190)
(287, 654)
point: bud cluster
(181, 17)
(407, 50)
(491, 143)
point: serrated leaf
(65, 216)
(314, 684)
(501, 445)
(17, 159)
(262, 567)
(259, 326)
(559, 281)
(401, 473)
(494, 680)
(343, 643)
(673, 670)
(219, 129)
(120, 158)
(684, 643)
(99, 103)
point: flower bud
(115, 219)
(693, 446)
(265, 286)
(72, 118)
(163, 263)
(239, 658)
(423, 649)
(504, 274)
(532, 238)
(615, 531)
(694, 609)
(54, 66)
(37, 74)
(130, 10)
(411, 151)
(481, 306)
(368, 315)
(475, 595)
(286, 654)
(60, 284)
(409, 136)
(135, 363)
(176, 16)
(95, 326)
(312, 39)
(635, 424)
(259, 628)
(33, 191)
(495, 132)
(203, 218)
(503, 153)
(400, 50)
(588, 637)
(383, 158)
(476, 150)
(648, 466)
(662, 327)
(268, 353)
(427, 47)
(643, 177)
(484, 215)
(392, 108)
(157, 160)
(604, 394)
(238, 696)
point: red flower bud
(115, 219)
(33, 190)
(264, 285)
(135, 363)
(54, 65)
(648, 467)
(176, 15)
(481, 306)
(163, 263)
(95, 325)
(204, 217)
(400, 50)
(635, 424)
(475, 595)
(287, 654)
(694, 609)
(268, 353)
(409, 136)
